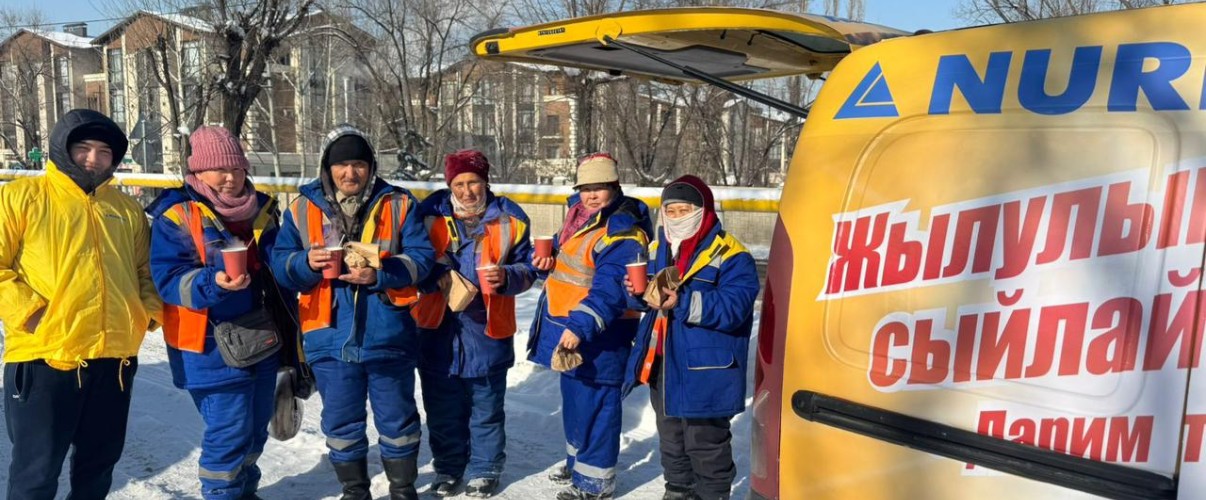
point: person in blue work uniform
(698, 337)
(584, 307)
(465, 354)
(217, 207)
(358, 334)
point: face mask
(682, 228)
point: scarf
(684, 235)
(231, 208)
(577, 217)
(349, 205)
(463, 211)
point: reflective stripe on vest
(315, 305)
(572, 276)
(183, 327)
(494, 247)
(660, 326)
(390, 214)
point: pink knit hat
(215, 148)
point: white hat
(598, 168)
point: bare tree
(504, 116)
(733, 140)
(1010, 11)
(581, 86)
(644, 128)
(23, 67)
(418, 70)
(234, 44)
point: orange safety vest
(570, 281)
(493, 248)
(315, 305)
(184, 328)
(660, 325)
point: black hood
(82, 124)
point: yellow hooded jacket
(85, 258)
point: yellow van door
(730, 43)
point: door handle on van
(1078, 473)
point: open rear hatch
(712, 45)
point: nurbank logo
(1139, 69)
(870, 99)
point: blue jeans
(467, 423)
(389, 385)
(236, 428)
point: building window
(62, 78)
(483, 119)
(8, 126)
(62, 71)
(552, 126)
(190, 70)
(117, 87)
(64, 103)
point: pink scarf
(231, 208)
(576, 218)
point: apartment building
(43, 74)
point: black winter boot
(402, 473)
(679, 492)
(354, 478)
(561, 475)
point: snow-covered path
(163, 443)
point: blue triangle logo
(870, 99)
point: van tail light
(768, 369)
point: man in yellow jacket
(76, 298)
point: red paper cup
(334, 266)
(235, 259)
(481, 278)
(638, 277)
(544, 247)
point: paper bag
(460, 292)
(666, 278)
(357, 255)
(565, 360)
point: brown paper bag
(666, 278)
(565, 360)
(357, 255)
(460, 292)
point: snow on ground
(163, 441)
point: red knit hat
(466, 161)
(215, 148)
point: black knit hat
(681, 192)
(349, 147)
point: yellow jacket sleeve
(19, 299)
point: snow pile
(163, 443)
